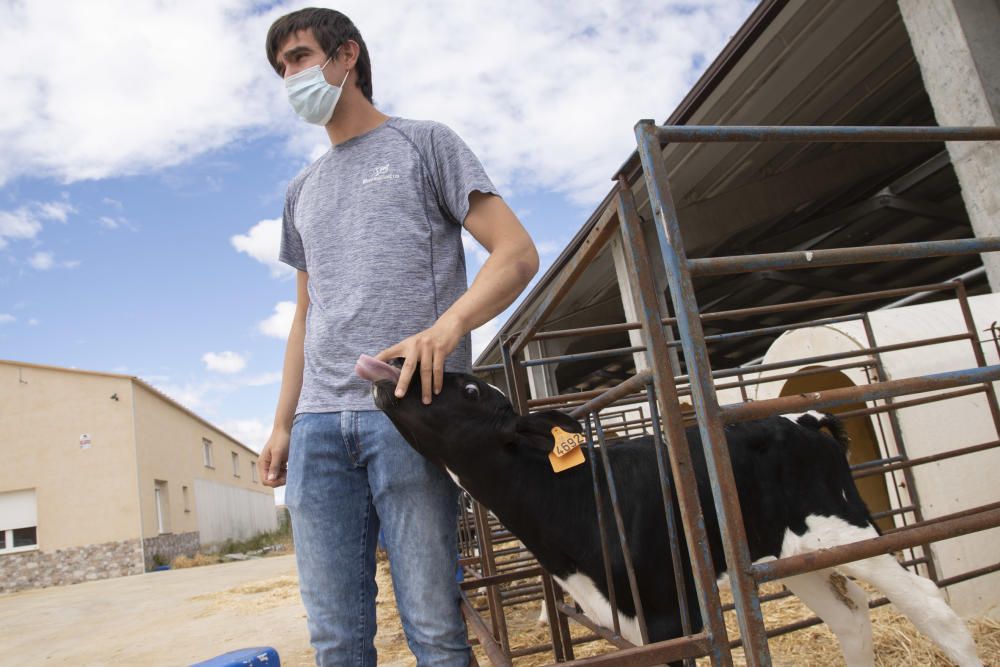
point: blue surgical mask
(311, 96)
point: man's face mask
(311, 96)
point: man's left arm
(512, 263)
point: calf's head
(466, 426)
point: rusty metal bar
(785, 376)
(834, 397)
(609, 478)
(647, 304)
(933, 458)
(614, 638)
(584, 356)
(977, 351)
(814, 259)
(558, 647)
(606, 397)
(666, 492)
(796, 133)
(940, 528)
(897, 436)
(587, 331)
(602, 531)
(501, 578)
(648, 301)
(488, 564)
(706, 405)
(494, 651)
(825, 301)
(531, 650)
(899, 405)
(654, 654)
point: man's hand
(272, 464)
(429, 348)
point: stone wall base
(162, 549)
(38, 569)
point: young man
(374, 229)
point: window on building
(206, 446)
(18, 521)
(236, 464)
(187, 499)
(253, 471)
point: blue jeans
(346, 472)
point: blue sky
(145, 148)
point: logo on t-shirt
(378, 174)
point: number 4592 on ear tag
(566, 452)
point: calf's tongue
(373, 370)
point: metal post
(657, 348)
(897, 435)
(720, 472)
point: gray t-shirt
(376, 222)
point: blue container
(259, 656)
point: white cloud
(280, 322)
(19, 224)
(547, 94)
(108, 222)
(549, 247)
(122, 86)
(33, 322)
(191, 395)
(26, 221)
(7, 318)
(262, 243)
(263, 379)
(251, 432)
(224, 362)
(42, 261)
(56, 210)
(482, 336)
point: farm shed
(736, 239)
(105, 476)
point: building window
(206, 446)
(253, 471)
(187, 501)
(18, 521)
(236, 464)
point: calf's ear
(535, 429)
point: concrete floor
(175, 617)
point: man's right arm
(273, 457)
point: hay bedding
(896, 640)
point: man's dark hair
(331, 29)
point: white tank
(944, 487)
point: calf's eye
(471, 392)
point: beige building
(104, 476)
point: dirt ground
(182, 616)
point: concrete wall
(85, 495)
(171, 457)
(229, 512)
(957, 46)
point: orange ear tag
(566, 452)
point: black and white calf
(795, 489)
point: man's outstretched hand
(428, 350)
